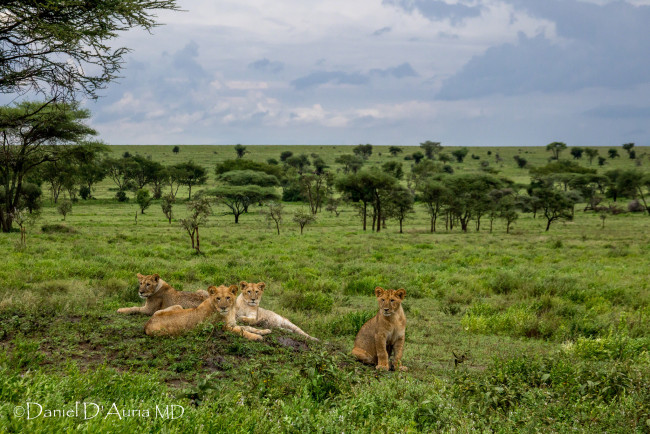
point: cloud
(596, 45)
(265, 65)
(319, 78)
(381, 31)
(401, 71)
(619, 112)
(438, 10)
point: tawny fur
(383, 334)
(218, 307)
(250, 312)
(159, 295)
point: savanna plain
(530, 330)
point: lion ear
(261, 286)
(233, 289)
(156, 277)
(379, 291)
(243, 284)
(140, 276)
(400, 293)
(212, 290)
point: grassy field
(553, 327)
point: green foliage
(249, 177)
(64, 208)
(143, 199)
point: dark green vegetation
(551, 329)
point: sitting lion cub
(219, 306)
(159, 295)
(248, 310)
(383, 333)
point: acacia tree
(351, 163)
(555, 204)
(556, 148)
(430, 148)
(238, 197)
(399, 204)
(63, 49)
(394, 150)
(32, 135)
(190, 174)
(240, 150)
(591, 154)
(432, 195)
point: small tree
(64, 207)
(602, 161)
(143, 199)
(363, 151)
(628, 147)
(394, 150)
(591, 154)
(576, 152)
(521, 162)
(199, 209)
(176, 150)
(167, 205)
(613, 153)
(274, 213)
(23, 217)
(556, 148)
(351, 163)
(430, 148)
(333, 205)
(240, 150)
(460, 154)
(399, 205)
(284, 155)
(303, 218)
(417, 156)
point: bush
(57, 228)
(505, 282)
(121, 196)
(84, 192)
(635, 206)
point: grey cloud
(323, 77)
(619, 112)
(266, 65)
(401, 71)
(319, 78)
(605, 46)
(437, 10)
(381, 31)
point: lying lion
(249, 312)
(384, 333)
(218, 307)
(159, 295)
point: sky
(385, 72)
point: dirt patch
(292, 343)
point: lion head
(252, 292)
(148, 285)
(223, 298)
(389, 300)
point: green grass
(555, 326)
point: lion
(249, 312)
(383, 334)
(159, 295)
(219, 306)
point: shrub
(504, 282)
(57, 228)
(363, 286)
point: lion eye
(383, 299)
(249, 292)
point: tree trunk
(365, 213)
(236, 218)
(190, 196)
(198, 243)
(548, 225)
(277, 225)
(433, 224)
(400, 226)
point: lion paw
(382, 368)
(403, 368)
(123, 310)
(264, 331)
